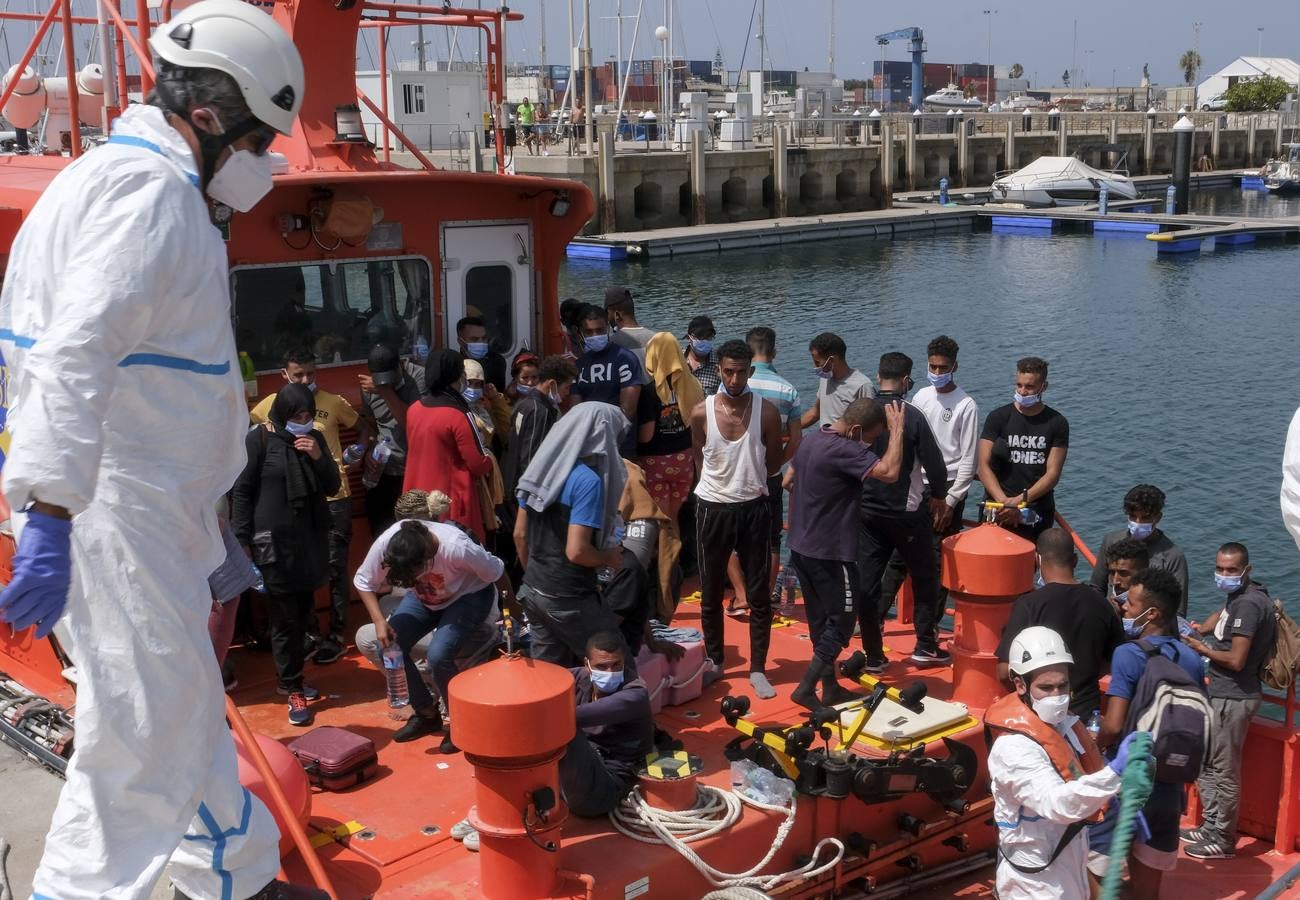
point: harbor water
(1172, 370)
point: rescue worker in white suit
(127, 425)
(1048, 777)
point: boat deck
(391, 835)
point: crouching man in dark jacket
(615, 729)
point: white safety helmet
(1034, 648)
(234, 37)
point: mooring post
(475, 154)
(1214, 141)
(963, 151)
(780, 172)
(913, 128)
(1149, 142)
(1250, 142)
(887, 164)
(1184, 132)
(605, 181)
(697, 178)
(1010, 153)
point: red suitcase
(335, 758)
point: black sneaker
(876, 664)
(1214, 849)
(417, 726)
(926, 657)
(1195, 835)
(329, 650)
(300, 713)
(310, 644)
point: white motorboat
(1018, 102)
(951, 97)
(1062, 181)
(1282, 175)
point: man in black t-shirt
(1083, 618)
(1022, 452)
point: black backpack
(1173, 707)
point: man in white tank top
(736, 438)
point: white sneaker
(461, 830)
(471, 842)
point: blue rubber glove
(1121, 755)
(42, 575)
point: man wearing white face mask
(1144, 506)
(117, 294)
(1048, 778)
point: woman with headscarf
(664, 424)
(444, 452)
(279, 514)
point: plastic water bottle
(790, 581)
(378, 460)
(1094, 724)
(763, 786)
(395, 674)
(259, 583)
(1028, 516)
(352, 455)
(421, 350)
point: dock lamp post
(1184, 131)
(665, 101)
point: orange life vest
(1010, 715)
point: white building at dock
(1246, 68)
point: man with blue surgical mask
(1022, 452)
(1144, 506)
(476, 344)
(1236, 640)
(607, 373)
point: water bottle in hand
(376, 463)
(1028, 516)
(420, 350)
(395, 673)
(259, 583)
(1094, 724)
(352, 455)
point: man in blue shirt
(607, 373)
(1150, 614)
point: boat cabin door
(487, 271)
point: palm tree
(1190, 63)
(1017, 71)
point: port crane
(916, 37)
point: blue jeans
(451, 626)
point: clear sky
(1118, 36)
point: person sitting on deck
(616, 731)
(1144, 506)
(451, 580)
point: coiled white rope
(736, 893)
(716, 810)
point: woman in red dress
(443, 450)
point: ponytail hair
(426, 506)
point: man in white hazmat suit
(1048, 777)
(127, 425)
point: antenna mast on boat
(830, 54)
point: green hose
(1135, 788)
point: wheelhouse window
(339, 310)
(489, 292)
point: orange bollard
(984, 569)
(513, 718)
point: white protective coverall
(1291, 479)
(126, 408)
(1032, 806)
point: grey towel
(589, 433)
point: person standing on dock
(898, 517)
(1144, 506)
(838, 383)
(1022, 452)
(736, 441)
(825, 479)
(699, 354)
